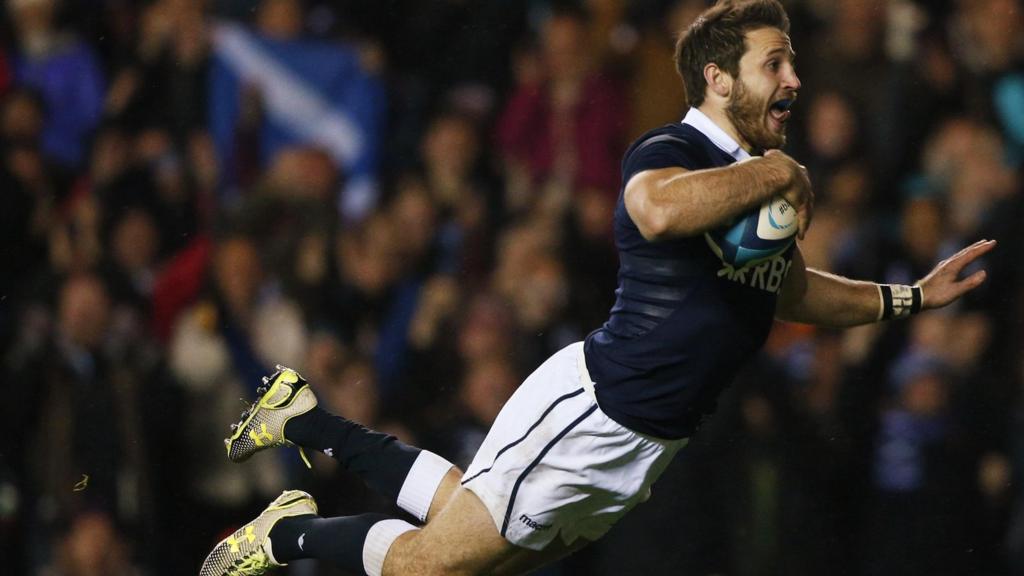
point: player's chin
(775, 135)
(776, 126)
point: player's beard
(749, 115)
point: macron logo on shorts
(533, 524)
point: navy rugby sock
(379, 459)
(404, 474)
(338, 540)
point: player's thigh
(524, 560)
(461, 541)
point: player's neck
(721, 119)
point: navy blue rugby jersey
(683, 322)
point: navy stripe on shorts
(530, 429)
(515, 488)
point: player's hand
(941, 286)
(799, 193)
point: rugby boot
(283, 396)
(247, 552)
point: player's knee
(454, 474)
(448, 487)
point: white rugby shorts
(553, 464)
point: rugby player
(582, 440)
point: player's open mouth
(779, 110)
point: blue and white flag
(313, 92)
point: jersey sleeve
(660, 151)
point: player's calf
(286, 413)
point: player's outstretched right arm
(815, 297)
(675, 202)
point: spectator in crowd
(921, 475)
(92, 546)
(987, 37)
(162, 80)
(652, 101)
(33, 187)
(467, 198)
(87, 446)
(563, 129)
(259, 76)
(65, 71)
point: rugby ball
(756, 235)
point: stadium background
(409, 201)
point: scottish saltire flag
(312, 92)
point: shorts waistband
(581, 363)
(588, 386)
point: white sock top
(421, 484)
(379, 540)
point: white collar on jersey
(718, 137)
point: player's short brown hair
(718, 36)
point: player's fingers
(963, 258)
(967, 255)
(807, 207)
(971, 282)
(983, 247)
(976, 279)
(946, 292)
(979, 245)
(803, 220)
(967, 248)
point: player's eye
(773, 65)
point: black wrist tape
(900, 301)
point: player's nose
(791, 81)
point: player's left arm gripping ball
(943, 284)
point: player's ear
(718, 80)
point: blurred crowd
(410, 203)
